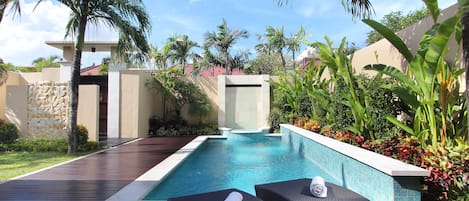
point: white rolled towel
(234, 196)
(318, 187)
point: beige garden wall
(384, 53)
(16, 110)
(88, 110)
(41, 108)
(138, 104)
(14, 79)
(210, 87)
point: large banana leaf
(439, 43)
(391, 37)
(432, 6)
(396, 74)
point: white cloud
(23, 37)
(308, 8)
(194, 1)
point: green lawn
(13, 164)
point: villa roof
(91, 70)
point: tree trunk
(294, 62)
(72, 137)
(227, 65)
(284, 63)
(465, 45)
(183, 67)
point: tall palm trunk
(293, 54)
(284, 63)
(227, 64)
(465, 43)
(72, 137)
(183, 66)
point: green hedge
(8, 132)
(187, 131)
(46, 144)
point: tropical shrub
(37, 145)
(431, 92)
(276, 117)
(448, 165)
(27, 144)
(176, 93)
(449, 172)
(380, 104)
(187, 131)
(8, 132)
(342, 116)
(82, 135)
(89, 146)
(348, 102)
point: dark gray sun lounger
(215, 196)
(298, 190)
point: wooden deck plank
(96, 177)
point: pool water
(241, 161)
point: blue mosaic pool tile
(352, 174)
(407, 188)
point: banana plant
(428, 91)
(289, 87)
(317, 88)
(339, 66)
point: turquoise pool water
(241, 161)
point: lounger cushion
(298, 190)
(215, 196)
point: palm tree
(294, 42)
(180, 49)
(358, 8)
(160, 56)
(15, 7)
(128, 17)
(42, 62)
(223, 40)
(278, 42)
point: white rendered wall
(245, 103)
(65, 71)
(113, 104)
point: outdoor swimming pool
(241, 161)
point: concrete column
(221, 101)
(114, 101)
(66, 71)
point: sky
(22, 38)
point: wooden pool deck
(96, 177)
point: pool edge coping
(387, 165)
(140, 187)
